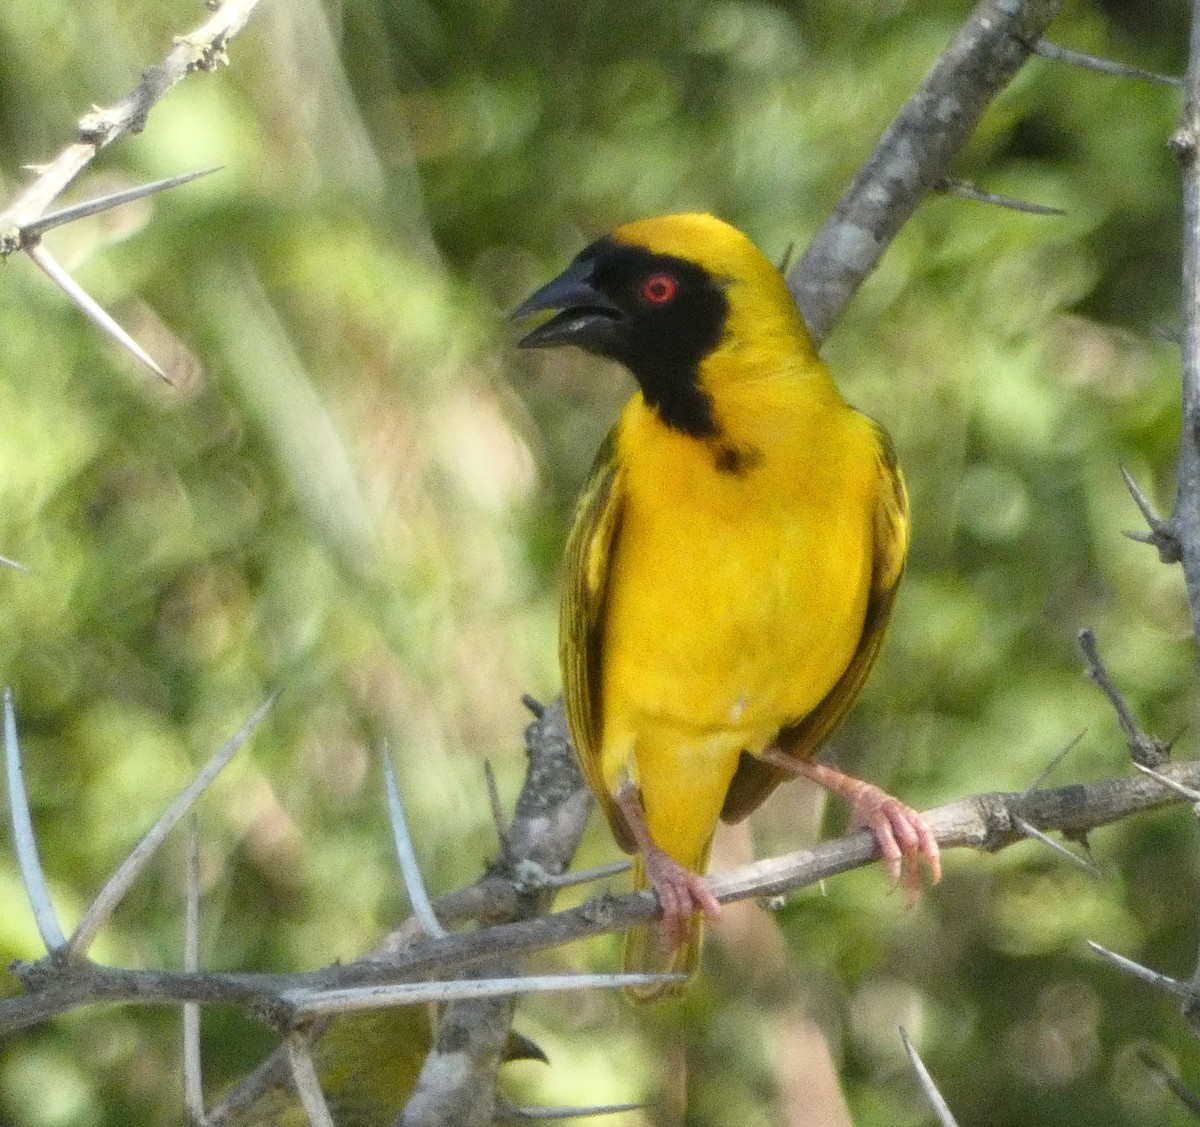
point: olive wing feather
(589, 557)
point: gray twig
(202, 49)
(1145, 750)
(985, 822)
(319, 1003)
(1185, 514)
(527, 1114)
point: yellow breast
(739, 586)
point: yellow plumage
(729, 576)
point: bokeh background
(358, 491)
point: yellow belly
(735, 603)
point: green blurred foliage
(358, 492)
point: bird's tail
(644, 950)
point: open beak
(586, 316)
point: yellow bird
(732, 566)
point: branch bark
(985, 822)
(1185, 517)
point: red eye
(658, 289)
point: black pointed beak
(586, 316)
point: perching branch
(915, 153)
(985, 822)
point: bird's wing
(755, 779)
(590, 551)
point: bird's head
(662, 296)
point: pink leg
(681, 893)
(903, 835)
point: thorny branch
(1185, 518)
(914, 154)
(986, 822)
(202, 49)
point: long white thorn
(314, 1003)
(308, 1086)
(526, 1114)
(53, 219)
(1137, 970)
(411, 871)
(90, 306)
(1034, 834)
(23, 837)
(940, 1108)
(130, 869)
(193, 1084)
(1189, 793)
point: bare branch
(1185, 515)
(527, 1114)
(914, 153)
(24, 839)
(130, 869)
(320, 1003)
(6, 562)
(940, 1108)
(409, 867)
(985, 822)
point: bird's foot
(903, 836)
(681, 893)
